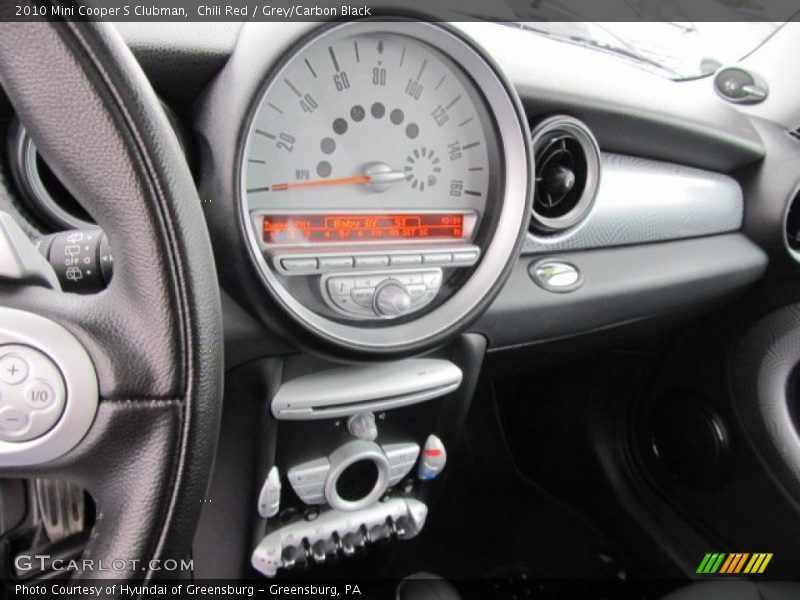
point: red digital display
(298, 229)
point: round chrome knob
(392, 300)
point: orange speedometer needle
(280, 187)
(378, 174)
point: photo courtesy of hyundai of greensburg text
(400, 300)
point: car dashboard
(396, 207)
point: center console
(376, 443)
(333, 464)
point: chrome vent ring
(45, 196)
(567, 174)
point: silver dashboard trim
(345, 456)
(344, 391)
(643, 201)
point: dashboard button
(344, 302)
(369, 280)
(466, 257)
(432, 280)
(336, 262)
(404, 260)
(438, 258)
(372, 261)
(416, 291)
(401, 454)
(363, 296)
(315, 471)
(408, 278)
(341, 285)
(299, 264)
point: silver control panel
(311, 262)
(380, 294)
(377, 283)
(314, 481)
(48, 389)
(32, 394)
(336, 533)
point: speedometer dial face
(364, 121)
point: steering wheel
(153, 336)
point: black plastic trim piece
(622, 285)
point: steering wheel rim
(154, 335)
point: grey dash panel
(643, 201)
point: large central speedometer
(374, 175)
(369, 121)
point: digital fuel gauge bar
(321, 228)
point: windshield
(678, 50)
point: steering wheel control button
(42, 367)
(433, 460)
(556, 276)
(269, 500)
(12, 422)
(13, 369)
(39, 395)
(32, 394)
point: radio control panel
(310, 262)
(381, 294)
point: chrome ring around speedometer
(377, 153)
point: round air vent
(736, 85)
(792, 225)
(47, 198)
(567, 174)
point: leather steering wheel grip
(155, 334)
(763, 382)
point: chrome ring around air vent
(567, 174)
(791, 225)
(46, 196)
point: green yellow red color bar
(734, 563)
